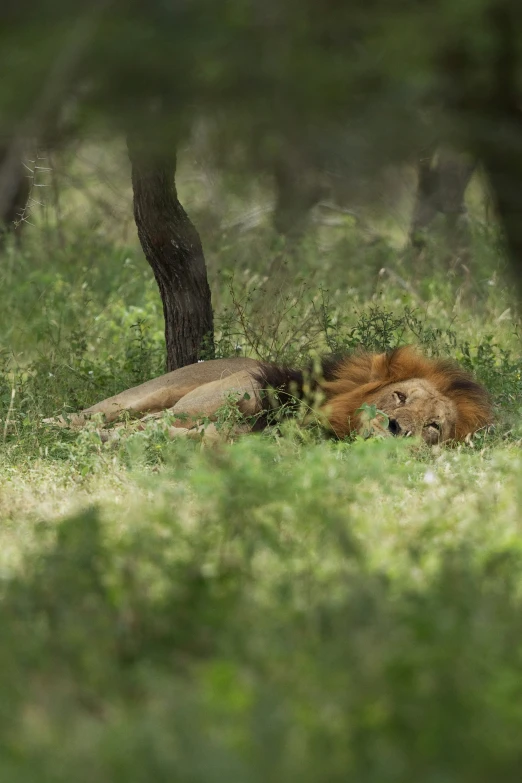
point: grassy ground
(279, 608)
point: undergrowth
(278, 608)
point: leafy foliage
(277, 608)
(248, 623)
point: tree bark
(443, 177)
(15, 194)
(298, 190)
(491, 116)
(173, 248)
(500, 136)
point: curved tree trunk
(173, 249)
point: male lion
(432, 398)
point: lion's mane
(347, 382)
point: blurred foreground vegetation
(279, 608)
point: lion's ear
(355, 371)
(399, 364)
(379, 367)
(370, 367)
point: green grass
(279, 608)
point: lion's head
(434, 399)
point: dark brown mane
(289, 384)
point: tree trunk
(505, 177)
(173, 248)
(443, 177)
(16, 189)
(491, 115)
(298, 190)
(500, 132)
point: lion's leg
(206, 400)
(147, 398)
(204, 403)
(160, 393)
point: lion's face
(416, 407)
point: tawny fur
(433, 398)
(162, 393)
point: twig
(9, 412)
(400, 281)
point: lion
(431, 398)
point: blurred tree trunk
(173, 248)
(505, 176)
(443, 177)
(493, 116)
(16, 189)
(298, 190)
(500, 137)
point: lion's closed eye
(399, 397)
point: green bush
(247, 627)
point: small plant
(141, 355)
(374, 422)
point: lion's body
(431, 398)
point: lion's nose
(394, 427)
